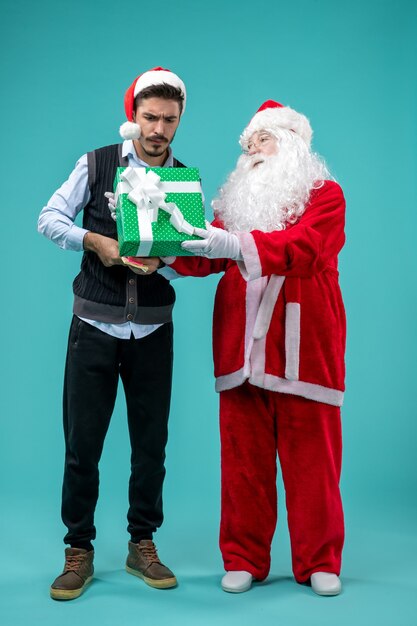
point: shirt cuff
(169, 273)
(74, 239)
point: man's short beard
(274, 193)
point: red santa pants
(254, 425)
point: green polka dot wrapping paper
(164, 240)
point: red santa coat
(279, 320)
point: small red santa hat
(271, 116)
(155, 76)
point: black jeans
(94, 362)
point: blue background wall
(351, 67)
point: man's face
(262, 144)
(158, 120)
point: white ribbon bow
(144, 190)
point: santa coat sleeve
(302, 250)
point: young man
(279, 340)
(121, 326)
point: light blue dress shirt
(56, 222)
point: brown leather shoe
(143, 561)
(78, 572)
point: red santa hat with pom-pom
(271, 116)
(155, 76)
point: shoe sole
(69, 594)
(166, 583)
(328, 593)
(240, 590)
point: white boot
(325, 584)
(237, 582)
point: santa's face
(260, 146)
(270, 185)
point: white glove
(216, 244)
(112, 204)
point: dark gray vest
(115, 294)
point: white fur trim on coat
(327, 395)
(292, 340)
(250, 267)
(267, 305)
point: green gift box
(156, 209)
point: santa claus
(279, 341)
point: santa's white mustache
(254, 159)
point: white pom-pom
(130, 130)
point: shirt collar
(128, 150)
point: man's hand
(106, 248)
(216, 243)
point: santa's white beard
(272, 194)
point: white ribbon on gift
(148, 193)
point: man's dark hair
(165, 91)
